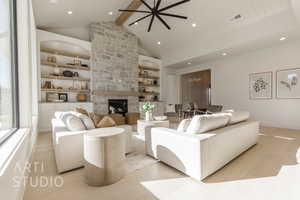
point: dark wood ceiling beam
(134, 5)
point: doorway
(196, 88)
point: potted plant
(148, 107)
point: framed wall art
(287, 84)
(260, 85)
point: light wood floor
(268, 171)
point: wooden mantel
(116, 93)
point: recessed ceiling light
(136, 23)
(224, 54)
(282, 38)
(70, 12)
(53, 1)
(194, 25)
(110, 13)
(159, 43)
(189, 63)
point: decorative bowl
(160, 118)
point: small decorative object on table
(68, 73)
(77, 61)
(81, 97)
(63, 97)
(51, 59)
(52, 97)
(47, 85)
(160, 118)
(76, 74)
(148, 108)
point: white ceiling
(54, 15)
(262, 22)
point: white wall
(230, 83)
(82, 33)
(174, 91)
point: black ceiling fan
(155, 11)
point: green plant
(148, 106)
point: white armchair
(68, 145)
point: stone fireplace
(114, 65)
(119, 106)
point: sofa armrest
(179, 150)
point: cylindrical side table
(104, 156)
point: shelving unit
(149, 68)
(116, 93)
(149, 79)
(66, 50)
(77, 102)
(52, 77)
(64, 53)
(148, 85)
(148, 76)
(53, 72)
(66, 90)
(66, 66)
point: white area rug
(138, 159)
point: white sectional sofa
(68, 145)
(200, 155)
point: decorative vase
(148, 116)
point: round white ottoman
(104, 156)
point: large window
(8, 70)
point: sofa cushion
(106, 122)
(87, 121)
(184, 124)
(204, 123)
(237, 116)
(72, 122)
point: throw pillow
(204, 123)
(184, 124)
(118, 118)
(96, 118)
(88, 122)
(72, 122)
(82, 111)
(106, 122)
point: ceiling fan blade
(151, 22)
(140, 11)
(163, 21)
(173, 5)
(140, 19)
(158, 4)
(172, 15)
(147, 5)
